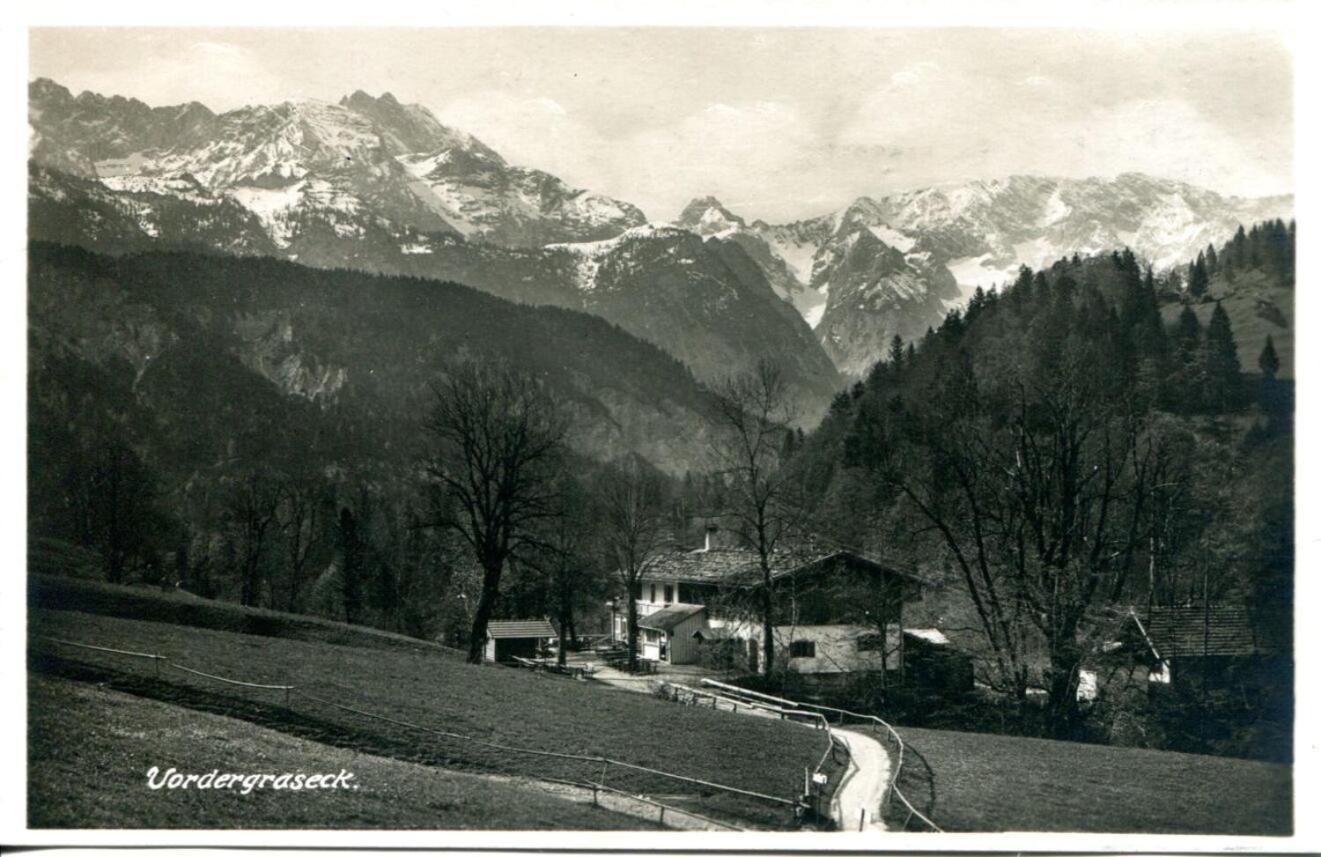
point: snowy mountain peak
(365, 157)
(707, 216)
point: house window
(802, 649)
(669, 593)
(871, 643)
(653, 593)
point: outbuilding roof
(1176, 632)
(742, 568)
(668, 618)
(504, 630)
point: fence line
(893, 788)
(594, 787)
(104, 649)
(285, 687)
(784, 713)
(605, 761)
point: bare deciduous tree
(762, 501)
(299, 519)
(253, 506)
(497, 439)
(1044, 502)
(634, 530)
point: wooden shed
(667, 634)
(520, 638)
(1195, 643)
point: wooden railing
(843, 715)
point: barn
(521, 638)
(1196, 644)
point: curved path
(857, 802)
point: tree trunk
(485, 606)
(566, 620)
(1065, 663)
(767, 620)
(632, 632)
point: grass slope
(184, 608)
(976, 782)
(1258, 307)
(433, 688)
(90, 749)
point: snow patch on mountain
(893, 237)
(272, 207)
(588, 255)
(973, 271)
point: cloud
(1168, 138)
(532, 131)
(738, 150)
(914, 73)
(924, 124)
(954, 125)
(220, 75)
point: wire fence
(693, 696)
(887, 731)
(597, 786)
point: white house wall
(836, 645)
(836, 648)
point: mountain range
(878, 268)
(377, 185)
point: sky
(779, 123)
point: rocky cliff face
(332, 367)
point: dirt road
(857, 802)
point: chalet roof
(667, 618)
(928, 635)
(520, 628)
(742, 568)
(1174, 632)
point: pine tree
(1197, 277)
(1240, 246)
(1223, 372)
(1184, 385)
(1188, 330)
(896, 352)
(1269, 364)
(1212, 262)
(1269, 361)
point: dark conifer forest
(1090, 440)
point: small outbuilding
(1195, 644)
(520, 638)
(667, 634)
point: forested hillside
(206, 420)
(1093, 438)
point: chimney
(710, 531)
